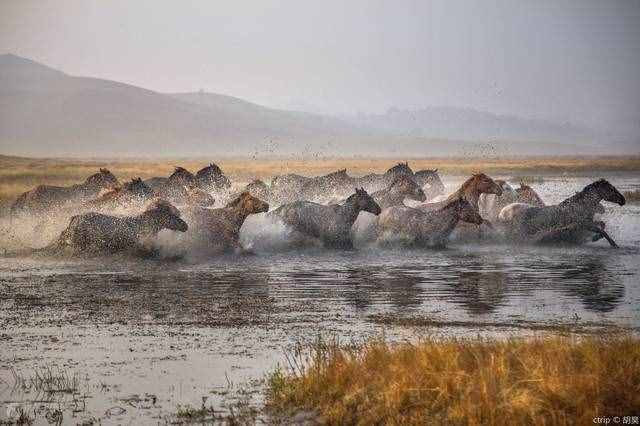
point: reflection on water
(465, 281)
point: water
(146, 335)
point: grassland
(20, 174)
(554, 380)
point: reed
(553, 380)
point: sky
(575, 61)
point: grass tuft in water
(555, 380)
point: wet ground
(138, 338)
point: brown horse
(91, 234)
(470, 190)
(215, 231)
(417, 227)
(44, 198)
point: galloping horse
(95, 233)
(470, 190)
(329, 224)
(570, 221)
(216, 231)
(44, 198)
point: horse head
(212, 175)
(364, 202)
(483, 184)
(528, 195)
(430, 178)
(408, 187)
(607, 192)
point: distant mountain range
(44, 111)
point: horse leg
(602, 233)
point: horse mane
(400, 168)
(581, 195)
(465, 185)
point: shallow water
(135, 330)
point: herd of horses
(400, 206)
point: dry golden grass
(632, 196)
(21, 174)
(555, 380)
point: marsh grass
(632, 196)
(18, 175)
(554, 380)
(48, 380)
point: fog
(572, 63)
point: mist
(550, 72)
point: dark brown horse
(45, 198)
(92, 234)
(571, 221)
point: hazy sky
(570, 60)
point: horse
(286, 188)
(95, 233)
(331, 225)
(258, 189)
(425, 228)
(173, 188)
(490, 205)
(45, 198)
(430, 182)
(337, 182)
(217, 230)
(394, 195)
(571, 221)
(375, 181)
(135, 192)
(470, 190)
(212, 178)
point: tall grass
(540, 381)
